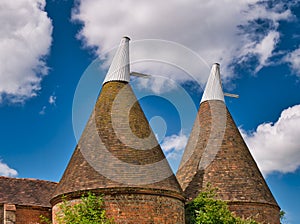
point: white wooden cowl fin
(119, 69)
(213, 89)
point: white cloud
(276, 146)
(265, 48)
(5, 170)
(52, 99)
(173, 147)
(293, 58)
(174, 142)
(224, 31)
(25, 39)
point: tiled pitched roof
(22, 191)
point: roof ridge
(27, 179)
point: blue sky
(50, 76)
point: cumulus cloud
(265, 48)
(174, 144)
(25, 39)
(219, 30)
(293, 58)
(173, 147)
(276, 146)
(5, 170)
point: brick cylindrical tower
(216, 154)
(118, 156)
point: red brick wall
(140, 208)
(259, 212)
(31, 215)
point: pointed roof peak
(119, 69)
(213, 89)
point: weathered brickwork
(261, 212)
(141, 208)
(31, 215)
(118, 129)
(146, 206)
(230, 167)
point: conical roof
(216, 154)
(117, 148)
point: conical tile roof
(117, 148)
(216, 154)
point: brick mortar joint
(237, 202)
(35, 207)
(119, 191)
(40, 208)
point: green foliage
(205, 208)
(45, 220)
(282, 216)
(88, 211)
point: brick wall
(18, 214)
(140, 208)
(133, 208)
(263, 213)
(31, 215)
